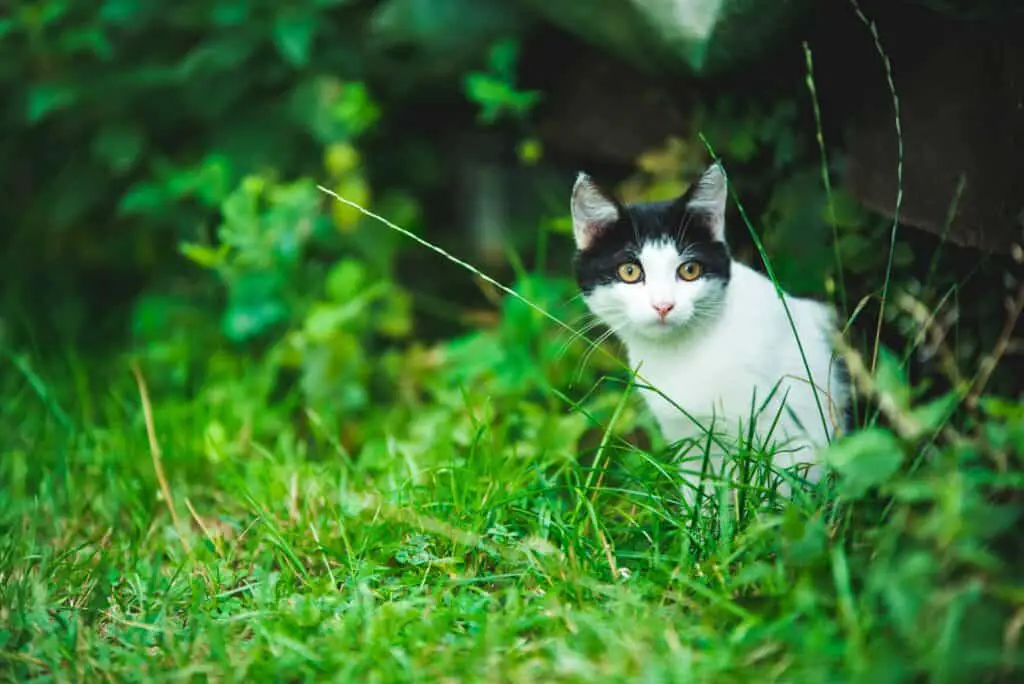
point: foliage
(495, 90)
(496, 520)
(158, 114)
(423, 30)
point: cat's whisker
(578, 373)
(580, 332)
(602, 338)
(579, 324)
(577, 321)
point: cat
(709, 333)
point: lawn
(500, 509)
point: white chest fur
(746, 367)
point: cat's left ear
(593, 212)
(709, 197)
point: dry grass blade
(154, 451)
(904, 424)
(991, 361)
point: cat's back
(763, 337)
(754, 305)
(774, 336)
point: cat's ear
(708, 198)
(593, 211)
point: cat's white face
(654, 270)
(669, 297)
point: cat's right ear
(593, 212)
(708, 197)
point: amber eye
(630, 272)
(691, 270)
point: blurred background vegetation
(161, 163)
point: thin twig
(154, 451)
(906, 425)
(932, 332)
(990, 362)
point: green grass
(490, 525)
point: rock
(701, 36)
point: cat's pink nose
(663, 308)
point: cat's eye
(630, 272)
(691, 270)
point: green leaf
(255, 305)
(903, 255)
(122, 11)
(145, 197)
(503, 59)
(226, 52)
(293, 36)
(322, 320)
(799, 242)
(46, 98)
(891, 379)
(119, 146)
(356, 108)
(935, 413)
(231, 12)
(395, 318)
(246, 320)
(864, 460)
(203, 255)
(345, 280)
(332, 110)
(428, 24)
(92, 41)
(245, 323)
(1004, 424)
(215, 179)
(804, 540)
(845, 209)
(495, 96)
(858, 252)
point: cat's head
(653, 270)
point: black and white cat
(707, 331)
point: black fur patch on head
(652, 222)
